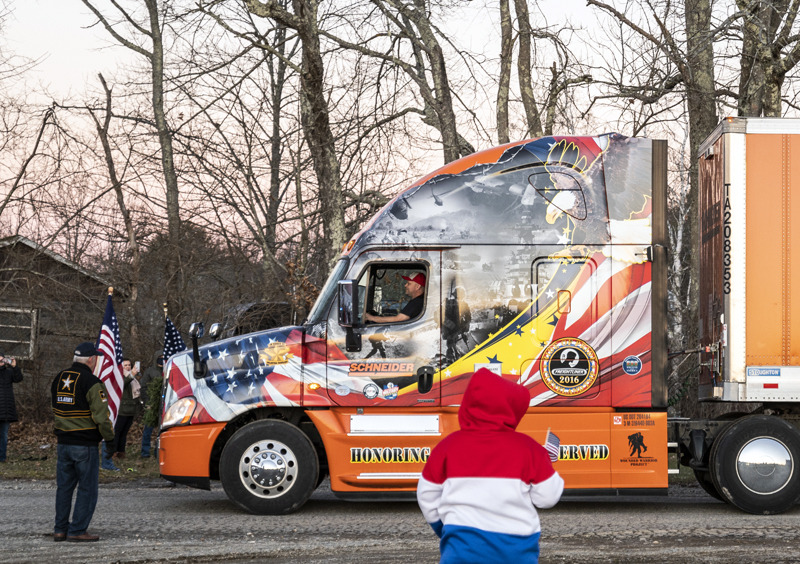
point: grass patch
(32, 456)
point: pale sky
(73, 52)
(58, 32)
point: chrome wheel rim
(268, 469)
(764, 465)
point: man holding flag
(109, 370)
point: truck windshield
(320, 310)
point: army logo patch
(569, 367)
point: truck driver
(415, 289)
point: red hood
(492, 403)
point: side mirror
(348, 302)
(215, 331)
(348, 315)
(196, 331)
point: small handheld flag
(551, 445)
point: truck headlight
(179, 413)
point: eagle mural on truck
(535, 255)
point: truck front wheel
(754, 464)
(269, 468)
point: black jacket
(80, 407)
(9, 375)
(149, 375)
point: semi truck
(544, 261)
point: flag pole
(110, 290)
(164, 305)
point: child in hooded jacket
(482, 484)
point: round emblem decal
(632, 365)
(371, 391)
(342, 390)
(569, 366)
(390, 391)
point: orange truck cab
(544, 261)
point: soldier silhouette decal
(636, 442)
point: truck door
(398, 358)
(566, 340)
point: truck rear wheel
(754, 464)
(269, 468)
(704, 479)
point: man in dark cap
(82, 420)
(10, 374)
(415, 290)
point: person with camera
(10, 374)
(125, 415)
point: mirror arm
(352, 341)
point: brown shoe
(85, 537)
(59, 537)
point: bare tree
(506, 51)
(692, 64)
(770, 49)
(314, 113)
(136, 260)
(151, 30)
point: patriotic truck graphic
(544, 261)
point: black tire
(704, 479)
(762, 486)
(269, 450)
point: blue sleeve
(437, 528)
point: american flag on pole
(551, 445)
(110, 372)
(173, 343)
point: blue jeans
(147, 434)
(77, 466)
(4, 425)
(105, 461)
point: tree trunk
(506, 51)
(174, 267)
(314, 117)
(751, 78)
(700, 99)
(316, 127)
(451, 140)
(278, 74)
(164, 134)
(136, 257)
(532, 116)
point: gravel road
(149, 522)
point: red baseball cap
(419, 278)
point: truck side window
(394, 292)
(562, 191)
(545, 270)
